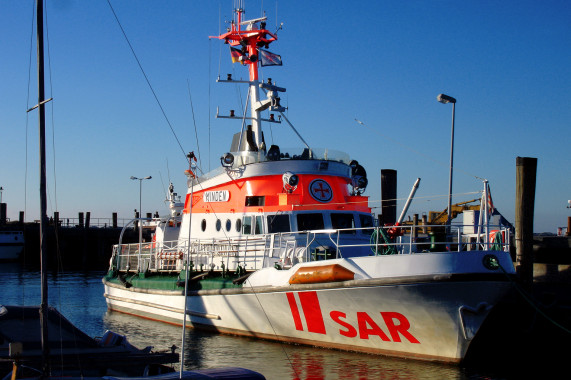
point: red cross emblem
(320, 190)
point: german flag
(235, 54)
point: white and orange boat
(280, 244)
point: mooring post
(389, 196)
(114, 220)
(56, 218)
(3, 213)
(80, 219)
(526, 169)
(414, 232)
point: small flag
(490, 203)
(269, 59)
(235, 54)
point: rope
(529, 299)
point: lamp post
(448, 99)
(140, 210)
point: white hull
(431, 317)
(11, 245)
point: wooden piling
(389, 196)
(3, 213)
(526, 169)
(114, 220)
(87, 219)
(21, 217)
(80, 216)
(414, 231)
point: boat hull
(430, 317)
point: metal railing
(287, 249)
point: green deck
(174, 281)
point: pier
(77, 243)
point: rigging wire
(27, 114)
(194, 119)
(147, 79)
(416, 151)
(51, 108)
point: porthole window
(203, 225)
(228, 225)
(238, 225)
(218, 224)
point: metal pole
(449, 220)
(43, 195)
(140, 217)
(186, 262)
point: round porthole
(228, 225)
(238, 225)
(203, 225)
(218, 224)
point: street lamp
(140, 209)
(445, 99)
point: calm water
(79, 297)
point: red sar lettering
(396, 324)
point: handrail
(287, 248)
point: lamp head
(445, 99)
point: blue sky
(508, 64)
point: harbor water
(79, 297)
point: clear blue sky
(384, 62)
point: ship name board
(216, 196)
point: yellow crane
(436, 217)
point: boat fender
(321, 273)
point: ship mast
(43, 197)
(245, 38)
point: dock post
(526, 169)
(414, 232)
(114, 220)
(21, 217)
(56, 218)
(87, 219)
(2, 213)
(80, 215)
(569, 226)
(389, 196)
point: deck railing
(287, 249)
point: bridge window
(252, 225)
(255, 200)
(342, 221)
(312, 221)
(366, 222)
(278, 223)
(247, 225)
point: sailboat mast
(43, 197)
